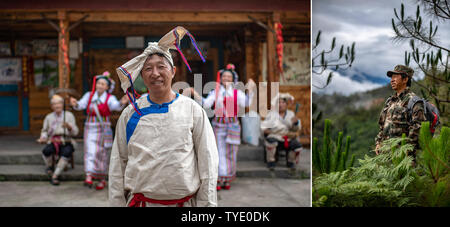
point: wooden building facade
(50, 40)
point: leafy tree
(429, 55)
(328, 58)
(344, 60)
(434, 167)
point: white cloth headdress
(132, 69)
(129, 71)
(287, 96)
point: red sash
(139, 201)
(286, 142)
(56, 141)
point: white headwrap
(287, 96)
(56, 99)
(129, 71)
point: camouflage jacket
(394, 119)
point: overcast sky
(368, 23)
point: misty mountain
(361, 76)
(332, 104)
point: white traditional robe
(167, 153)
(53, 123)
(279, 126)
(97, 134)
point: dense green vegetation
(331, 156)
(360, 124)
(391, 178)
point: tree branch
(429, 75)
(419, 37)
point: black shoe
(54, 181)
(49, 171)
(290, 165)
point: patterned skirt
(97, 147)
(228, 137)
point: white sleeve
(210, 99)
(268, 121)
(71, 120)
(207, 157)
(83, 102)
(114, 104)
(243, 99)
(118, 163)
(45, 127)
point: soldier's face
(398, 83)
(157, 74)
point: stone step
(249, 152)
(37, 173)
(252, 169)
(31, 158)
(33, 155)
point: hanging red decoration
(279, 34)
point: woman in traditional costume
(98, 135)
(225, 123)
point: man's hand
(294, 120)
(267, 131)
(41, 140)
(377, 149)
(67, 125)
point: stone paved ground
(24, 183)
(244, 192)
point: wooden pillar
(270, 58)
(63, 50)
(249, 67)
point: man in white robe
(164, 152)
(57, 133)
(280, 132)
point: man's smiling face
(157, 73)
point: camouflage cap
(401, 69)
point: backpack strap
(387, 101)
(412, 101)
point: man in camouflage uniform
(394, 118)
